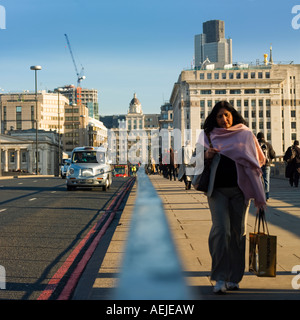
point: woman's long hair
(211, 121)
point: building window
(201, 76)
(12, 157)
(264, 91)
(235, 91)
(293, 125)
(249, 91)
(260, 75)
(205, 91)
(216, 76)
(293, 113)
(23, 156)
(245, 75)
(252, 75)
(19, 117)
(238, 75)
(222, 91)
(223, 75)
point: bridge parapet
(151, 268)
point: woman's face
(224, 118)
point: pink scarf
(239, 144)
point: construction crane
(80, 75)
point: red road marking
(54, 281)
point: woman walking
(235, 178)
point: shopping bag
(262, 249)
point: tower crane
(80, 75)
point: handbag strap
(261, 218)
(208, 137)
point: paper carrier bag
(262, 249)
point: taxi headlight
(101, 171)
(71, 171)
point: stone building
(267, 96)
(18, 152)
(129, 135)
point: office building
(18, 111)
(267, 96)
(211, 47)
(87, 97)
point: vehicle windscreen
(119, 170)
(88, 157)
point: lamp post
(36, 68)
(83, 130)
(59, 146)
(73, 105)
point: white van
(89, 168)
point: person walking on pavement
(183, 174)
(292, 159)
(165, 160)
(235, 178)
(269, 154)
(172, 165)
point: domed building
(135, 116)
(135, 105)
(129, 135)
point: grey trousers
(227, 238)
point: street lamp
(59, 146)
(36, 68)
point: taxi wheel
(104, 188)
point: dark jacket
(268, 151)
(292, 155)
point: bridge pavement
(189, 219)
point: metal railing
(151, 268)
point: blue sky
(128, 46)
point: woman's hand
(210, 153)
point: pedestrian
(133, 169)
(165, 161)
(235, 178)
(269, 154)
(185, 167)
(292, 159)
(172, 165)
